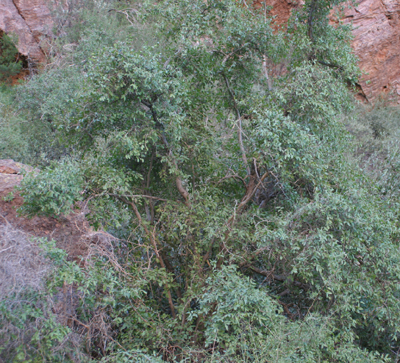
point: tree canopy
(213, 146)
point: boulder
(10, 174)
(28, 20)
(9, 166)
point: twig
(124, 12)
(286, 308)
(6, 249)
(227, 56)
(251, 189)
(235, 176)
(141, 196)
(250, 192)
(169, 59)
(5, 219)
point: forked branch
(251, 188)
(153, 241)
(178, 181)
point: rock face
(376, 30)
(281, 9)
(28, 20)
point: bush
(28, 140)
(9, 63)
(248, 230)
(54, 191)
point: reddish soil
(71, 233)
(18, 78)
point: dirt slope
(72, 232)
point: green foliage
(24, 139)
(131, 356)
(9, 63)
(9, 197)
(214, 148)
(235, 307)
(377, 130)
(36, 340)
(54, 191)
(29, 111)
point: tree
(213, 148)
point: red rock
(9, 166)
(281, 9)
(28, 20)
(377, 44)
(36, 15)
(376, 30)
(9, 181)
(7, 170)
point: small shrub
(54, 191)
(9, 63)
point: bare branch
(182, 190)
(265, 70)
(239, 123)
(251, 189)
(125, 12)
(227, 56)
(140, 196)
(169, 59)
(153, 240)
(178, 181)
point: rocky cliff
(376, 30)
(29, 20)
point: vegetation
(255, 211)
(29, 331)
(9, 63)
